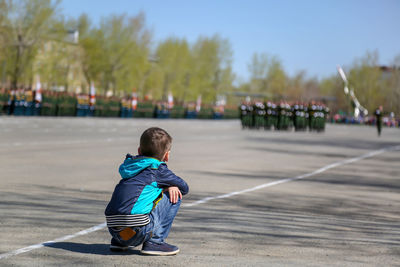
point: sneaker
(117, 247)
(162, 249)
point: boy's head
(156, 143)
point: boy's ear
(138, 151)
(166, 156)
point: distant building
(58, 64)
(387, 71)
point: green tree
(267, 76)
(392, 86)
(92, 56)
(115, 54)
(212, 71)
(333, 86)
(276, 78)
(174, 61)
(25, 26)
(296, 89)
(366, 79)
(126, 49)
(3, 14)
(258, 68)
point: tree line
(373, 84)
(119, 55)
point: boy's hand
(174, 193)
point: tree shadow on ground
(360, 182)
(352, 143)
(299, 152)
(322, 216)
(295, 220)
(262, 176)
(298, 219)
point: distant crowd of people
(388, 119)
(283, 116)
(28, 102)
(191, 110)
(20, 102)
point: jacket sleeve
(166, 178)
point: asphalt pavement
(257, 198)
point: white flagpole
(198, 103)
(38, 95)
(92, 94)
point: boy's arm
(167, 178)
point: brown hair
(155, 142)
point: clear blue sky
(310, 35)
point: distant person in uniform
(378, 115)
(146, 200)
(243, 114)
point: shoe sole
(159, 253)
(120, 249)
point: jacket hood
(132, 165)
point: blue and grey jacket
(142, 183)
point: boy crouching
(146, 200)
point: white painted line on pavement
(40, 245)
(323, 169)
(207, 199)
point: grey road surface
(57, 175)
